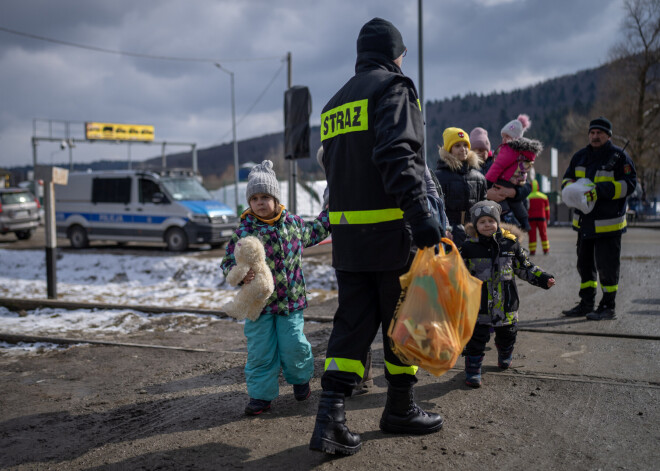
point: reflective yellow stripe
(345, 364)
(349, 117)
(610, 225)
(610, 289)
(419, 104)
(589, 284)
(365, 217)
(400, 370)
(604, 176)
(545, 244)
(537, 194)
(608, 177)
(576, 221)
(580, 172)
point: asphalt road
(38, 241)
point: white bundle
(574, 195)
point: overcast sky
(469, 46)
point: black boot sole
(333, 448)
(581, 313)
(402, 429)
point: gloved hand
(592, 194)
(425, 232)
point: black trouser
(367, 301)
(601, 255)
(505, 338)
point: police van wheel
(176, 240)
(78, 237)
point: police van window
(186, 189)
(111, 190)
(147, 190)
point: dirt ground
(582, 395)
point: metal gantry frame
(70, 143)
(67, 141)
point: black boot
(582, 309)
(504, 356)
(401, 414)
(331, 435)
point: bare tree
(632, 88)
(574, 133)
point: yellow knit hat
(453, 135)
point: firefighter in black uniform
(372, 133)
(599, 232)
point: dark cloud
(469, 46)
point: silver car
(19, 212)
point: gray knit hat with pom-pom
(262, 179)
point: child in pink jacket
(509, 169)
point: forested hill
(546, 103)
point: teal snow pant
(275, 342)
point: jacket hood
(526, 145)
(454, 164)
(504, 229)
(379, 35)
(375, 60)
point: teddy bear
(252, 297)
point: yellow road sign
(118, 132)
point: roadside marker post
(51, 176)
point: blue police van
(169, 206)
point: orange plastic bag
(437, 311)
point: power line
(261, 95)
(168, 58)
(131, 54)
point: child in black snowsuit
(494, 255)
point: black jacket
(462, 183)
(372, 133)
(613, 172)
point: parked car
(136, 205)
(29, 185)
(19, 212)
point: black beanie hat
(379, 35)
(601, 123)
